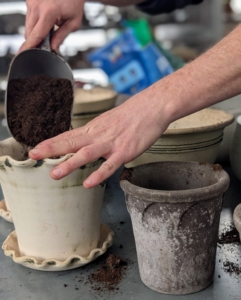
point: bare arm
(125, 132)
(211, 78)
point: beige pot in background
(224, 149)
(235, 150)
(82, 119)
(95, 99)
(88, 104)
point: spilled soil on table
(109, 275)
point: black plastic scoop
(37, 61)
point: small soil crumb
(109, 275)
(215, 167)
(39, 107)
(231, 268)
(126, 174)
(121, 247)
(229, 237)
(122, 223)
(65, 285)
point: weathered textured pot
(196, 137)
(53, 218)
(235, 150)
(237, 219)
(175, 211)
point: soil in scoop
(39, 107)
(108, 276)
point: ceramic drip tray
(11, 248)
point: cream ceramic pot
(53, 218)
(196, 137)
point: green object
(141, 30)
(175, 61)
(143, 34)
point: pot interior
(175, 176)
(10, 147)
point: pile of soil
(126, 174)
(108, 276)
(231, 268)
(39, 107)
(229, 237)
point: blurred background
(167, 41)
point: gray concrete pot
(175, 210)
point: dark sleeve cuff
(155, 7)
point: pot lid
(93, 100)
(208, 119)
(93, 95)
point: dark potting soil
(126, 174)
(109, 275)
(229, 237)
(231, 268)
(39, 107)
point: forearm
(211, 78)
(118, 2)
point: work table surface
(20, 283)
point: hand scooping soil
(39, 107)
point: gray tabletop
(18, 282)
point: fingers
(68, 145)
(31, 21)
(82, 157)
(39, 32)
(105, 170)
(62, 33)
(63, 136)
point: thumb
(61, 33)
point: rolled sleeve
(155, 7)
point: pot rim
(8, 161)
(227, 119)
(237, 218)
(177, 196)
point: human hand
(43, 15)
(119, 136)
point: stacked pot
(196, 137)
(90, 103)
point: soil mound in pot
(39, 107)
